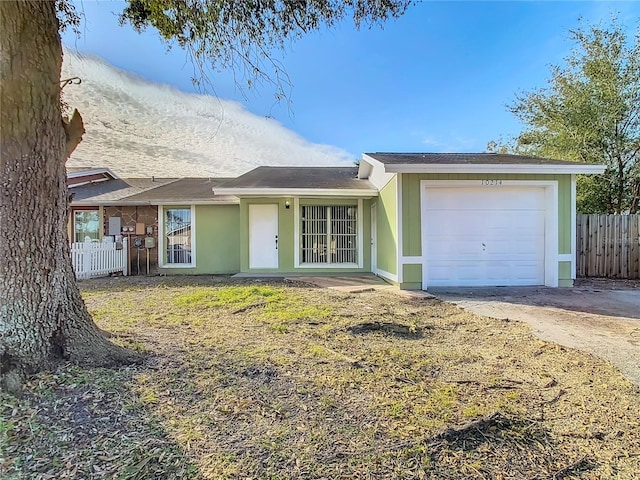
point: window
(86, 223)
(177, 235)
(329, 234)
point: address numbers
(491, 183)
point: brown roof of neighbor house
(149, 191)
(317, 178)
(184, 190)
(79, 169)
(114, 190)
(462, 159)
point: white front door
(484, 236)
(263, 236)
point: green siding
(286, 234)
(412, 273)
(387, 235)
(217, 249)
(564, 274)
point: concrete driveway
(600, 321)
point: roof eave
(93, 171)
(496, 168)
(297, 192)
(124, 203)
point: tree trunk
(43, 319)
(635, 196)
(620, 190)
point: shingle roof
(115, 190)
(79, 169)
(334, 178)
(462, 159)
(184, 190)
(145, 191)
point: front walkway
(346, 283)
(351, 283)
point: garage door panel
(489, 224)
(452, 248)
(485, 236)
(472, 273)
(485, 198)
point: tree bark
(43, 319)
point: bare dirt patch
(608, 283)
(270, 380)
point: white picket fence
(93, 259)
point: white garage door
(484, 236)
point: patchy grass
(280, 380)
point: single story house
(418, 220)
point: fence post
(125, 254)
(86, 258)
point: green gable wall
(386, 221)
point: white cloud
(139, 128)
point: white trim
(161, 251)
(292, 192)
(495, 168)
(551, 234)
(117, 203)
(192, 202)
(322, 266)
(372, 170)
(387, 275)
(551, 219)
(89, 182)
(399, 249)
(297, 242)
(371, 160)
(574, 233)
(360, 227)
(412, 260)
(365, 168)
(373, 239)
(92, 171)
(160, 237)
(565, 257)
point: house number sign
(491, 183)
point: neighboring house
(417, 220)
(168, 205)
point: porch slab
(350, 283)
(346, 283)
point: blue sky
(436, 79)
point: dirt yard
(280, 380)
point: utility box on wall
(115, 224)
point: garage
(490, 234)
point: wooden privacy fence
(608, 246)
(92, 259)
